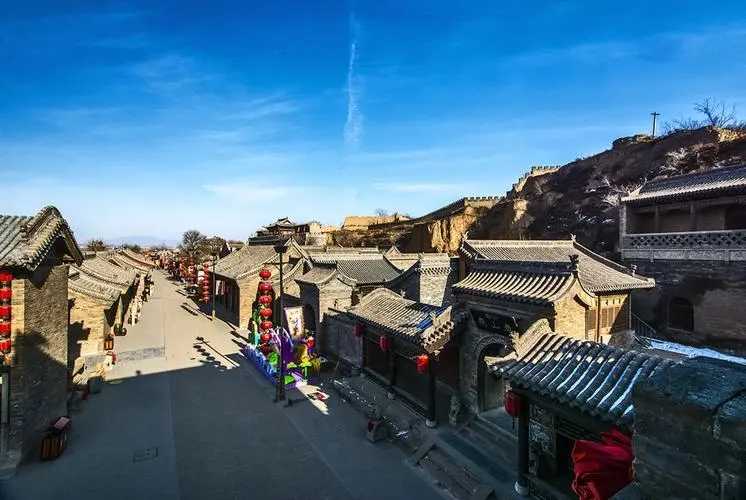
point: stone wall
(91, 320)
(38, 373)
(435, 284)
(690, 431)
(338, 339)
(716, 290)
(332, 295)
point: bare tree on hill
(715, 114)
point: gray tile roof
(25, 241)
(136, 257)
(126, 262)
(80, 282)
(595, 379)
(403, 261)
(104, 270)
(365, 271)
(596, 273)
(529, 284)
(318, 275)
(246, 261)
(407, 319)
(711, 181)
(364, 268)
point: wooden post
(657, 220)
(521, 484)
(392, 371)
(432, 420)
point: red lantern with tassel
(265, 325)
(265, 337)
(512, 403)
(265, 287)
(5, 345)
(310, 342)
(265, 274)
(265, 300)
(423, 362)
(384, 343)
(6, 293)
(265, 312)
(5, 329)
(5, 312)
(5, 277)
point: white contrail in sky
(354, 123)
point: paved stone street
(177, 421)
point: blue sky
(153, 118)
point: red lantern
(265, 325)
(5, 312)
(359, 330)
(5, 329)
(265, 312)
(310, 342)
(6, 293)
(265, 300)
(384, 343)
(265, 274)
(422, 361)
(512, 403)
(5, 277)
(265, 337)
(265, 287)
(5, 345)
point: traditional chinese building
(564, 390)
(689, 233)
(34, 256)
(514, 287)
(237, 278)
(406, 346)
(100, 295)
(307, 233)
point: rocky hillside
(582, 197)
(578, 198)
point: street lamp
(280, 395)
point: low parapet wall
(690, 431)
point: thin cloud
(426, 187)
(354, 124)
(248, 192)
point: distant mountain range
(143, 241)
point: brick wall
(716, 290)
(690, 431)
(339, 340)
(38, 376)
(90, 322)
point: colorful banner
(294, 317)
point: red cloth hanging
(602, 469)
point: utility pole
(655, 116)
(280, 395)
(214, 284)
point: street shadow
(189, 310)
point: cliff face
(579, 198)
(582, 197)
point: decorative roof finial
(574, 262)
(572, 237)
